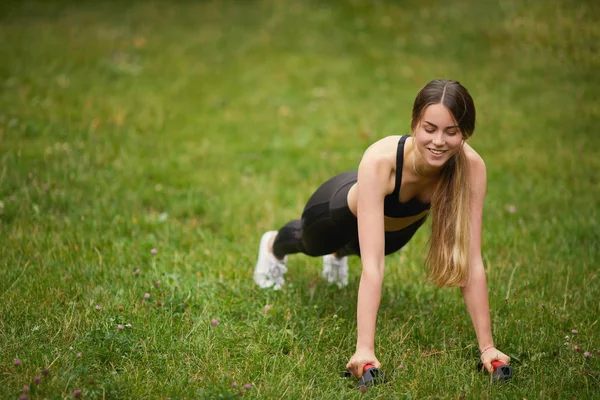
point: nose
(438, 139)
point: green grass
(193, 127)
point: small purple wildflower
(120, 327)
(576, 348)
(248, 386)
(23, 396)
(157, 283)
(46, 372)
(77, 393)
(26, 388)
(136, 272)
(143, 302)
(79, 355)
(17, 362)
(98, 307)
(214, 322)
(587, 354)
(37, 379)
(234, 384)
(574, 331)
(153, 251)
(147, 295)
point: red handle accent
(496, 364)
(368, 367)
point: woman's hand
(359, 360)
(492, 354)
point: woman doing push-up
(375, 211)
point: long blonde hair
(448, 257)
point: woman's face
(437, 136)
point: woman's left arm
(475, 293)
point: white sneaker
(269, 269)
(335, 270)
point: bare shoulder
(378, 165)
(382, 151)
(476, 163)
(477, 172)
(383, 148)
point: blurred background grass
(191, 127)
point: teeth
(436, 151)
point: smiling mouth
(437, 152)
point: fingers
(502, 357)
(488, 359)
(355, 369)
(357, 364)
(505, 359)
(488, 366)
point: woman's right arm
(373, 178)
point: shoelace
(276, 271)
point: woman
(375, 212)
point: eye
(429, 129)
(452, 133)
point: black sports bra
(392, 207)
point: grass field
(146, 146)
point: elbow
(476, 270)
(373, 271)
(476, 275)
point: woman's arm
(475, 293)
(371, 187)
(373, 180)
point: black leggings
(328, 226)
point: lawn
(145, 146)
